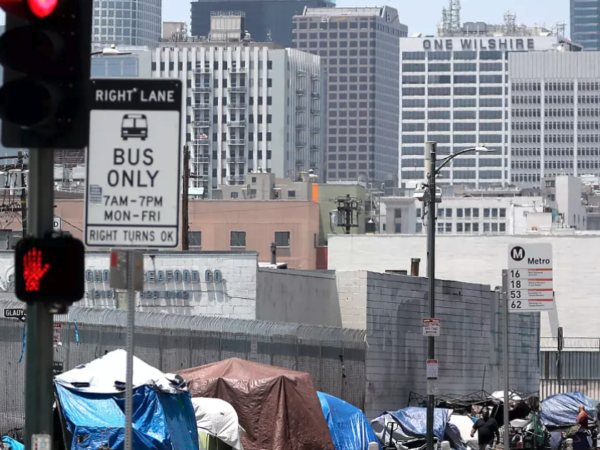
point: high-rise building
(359, 48)
(127, 22)
(585, 23)
(266, 20)
(455, 91)
(554, 115)
(250, 106)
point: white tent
(107, 375)
(217, 418)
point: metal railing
(334, 357)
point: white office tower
(455, 91)
(250, 106)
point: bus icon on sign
(134, 126)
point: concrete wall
(469, 350)
(480, 259)
(234, 296)
(298, 297)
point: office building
(455, 91)
(250, 106)
(585, 23)
(135, 61)
(266, 20)
(359, 48)
(127, 22)
(555, 118)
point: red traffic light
(39, 8)
(42, 8)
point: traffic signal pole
(39, 356)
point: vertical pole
(505, 355)
(185, 201)
(430, 156)
(23, 194)
(39, 392)
(130, 346)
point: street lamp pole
(430, 199)
(430, 163)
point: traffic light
(50, 270)
(46, 53)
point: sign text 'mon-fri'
(134, 164)
(530, 278)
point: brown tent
(278, 408)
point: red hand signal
(33, 270)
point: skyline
(527, 11)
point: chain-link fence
(334, 357)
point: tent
(562, 409)
(91, 407)
(349, 427)
(217, 418)
(278, 408)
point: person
(487, 428)
(583, 418)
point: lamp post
(430, 198)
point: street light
(430, 198)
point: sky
(422, 16)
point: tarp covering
(349, 427)
(218, 418)
(562, 409)
(11, 444)
(413, 421)
(161, 420)
(278, 408)
(106, 375)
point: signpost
(431, 327)
(57, 223)
(133, 185)
(530, 280)
(15, 313)
(133, 164)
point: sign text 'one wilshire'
(499, 43)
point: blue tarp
(160, 421)
(12, 444)
(414, 421)
(562, 409)
(349, 427)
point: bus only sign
(133, 164)
(530, 279)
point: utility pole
(185, 201)
(23, 194)
(430, 170)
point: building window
(238, 239)
(502, 228)
(291, 194)
(486, 212)
(282, 238)
(398, 228)
(234, 195)
(459, 227)
(475, 212)
(502, 212)
(195, 239)
(397, 214)
(418, 213)
(459, 212)
(419, 228)
(448, 227)
(448, 212)
(475, 227)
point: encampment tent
(91, 407)
(348, 425)
(217, 418)
(562, 409)
(278, 408)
